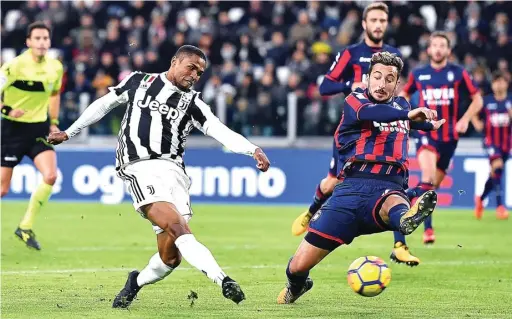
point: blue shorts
(351, 211)
(444, 150)
(495, 152)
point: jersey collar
(164, 78)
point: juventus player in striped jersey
(161, 110)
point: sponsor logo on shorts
(316, 216)
(151, 190)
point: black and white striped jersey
(158, 119)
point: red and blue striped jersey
(497, 122)
(377, 148)
(353, 63)
(442, 90)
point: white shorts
(157, 180)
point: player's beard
(373, 38)
(439, 60)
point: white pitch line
(94, 270)
(132, 248)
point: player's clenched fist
(262, 161)
(422, 114)
(56, 138)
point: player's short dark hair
(38, 25)
(440, 34)
(375, 6)
(188, 49)
(386, 58)
(496, 75)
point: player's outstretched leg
(175, 240)
(297, 271)
(160, 265)
(401, 253)
(322, 194)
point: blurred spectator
(259, 52)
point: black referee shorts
(21, 139)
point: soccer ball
(368, 276)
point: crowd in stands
(258, 51)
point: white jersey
(159, 117)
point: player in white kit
(161, 110)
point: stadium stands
(259, 51)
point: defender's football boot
(289, 295)
(428, 236)
(402, 255)
(423, 208)
(300, 224)
(479, 207)
(501, 212)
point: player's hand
(437, 124)
(54, 128)
(262, 161)
(16, 113)
(56, 138)
(422, 114)
(360, 85)
(462, 126)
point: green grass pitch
(89, 248)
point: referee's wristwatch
(54, 122)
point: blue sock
(419, 190)
(497, 186)
(428, 222)
(319, 199)
(395, 213)
(296, 280)
(488, 188)
(399, 237)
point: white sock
(200, 257)
(156, 270)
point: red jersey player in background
(441, 86)
(495, 120)
(347, 73)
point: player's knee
(50, 178)
(327, 185)
(298, 265)
(177, 230)
(173, 260)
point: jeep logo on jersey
(164, 109)
(396, 126)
